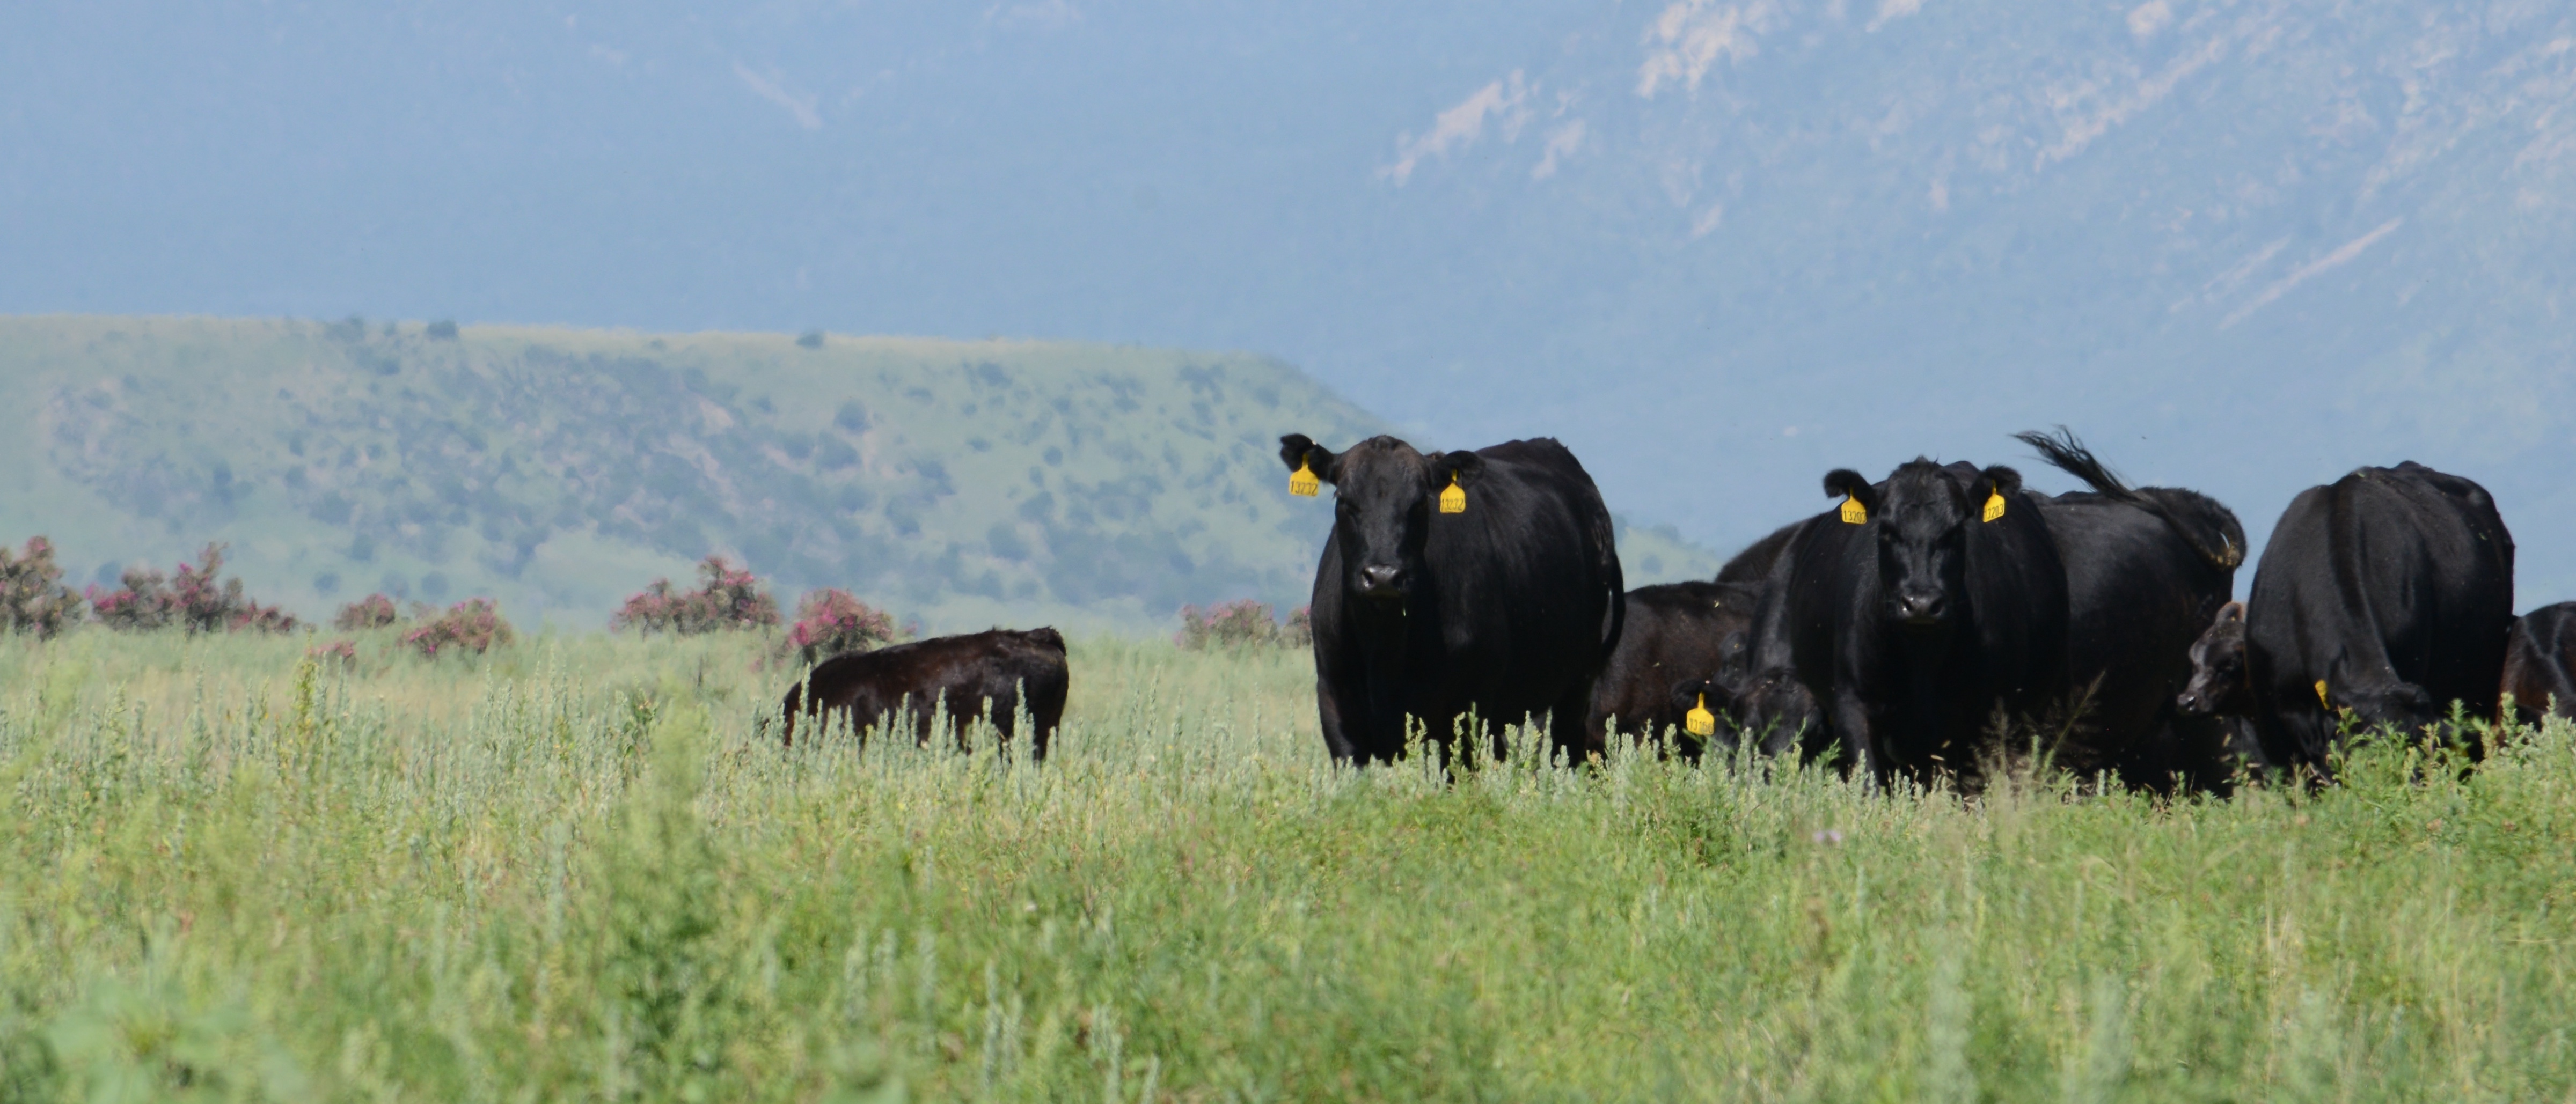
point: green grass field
(576, 871)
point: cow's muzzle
(1921, 609)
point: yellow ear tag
(1995, 505)
(1699, 721)
(1853, 512)
(2321, 694)
(1303, 482)
(1453, 500)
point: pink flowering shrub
(1243, 623)
(343, 653)
(729, 599)
(33, 598)
(374, 611)
(195, 599)
(832, 621)
(473, 625)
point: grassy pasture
(575, 870)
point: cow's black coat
(1914, 628)
(2392, 589)
(2540, 663)
(1675, 633)
(1753, 565)
(1510, 608)
(970, 676)
(2147, 569)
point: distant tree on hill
(730, 598)
(32, 595)
(194, 599)
(810, 339)
(443, 330)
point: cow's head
(1770, 707)
(2219, 681)
(1921, 520)
(1383, 493)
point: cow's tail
(2216, 535)
(2069, 455)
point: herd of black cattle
(1930, 624)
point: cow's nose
(1919, 607)
(2188, 702)
(1379, 576)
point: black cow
(2540, 663)
(978, 675)
(2147, 569)
(1915, 624)
(1509, 607)
(1675, 632)
(2386, 596)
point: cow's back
(2388, 593)
(2141, 586)
(2540, 663)
(963, 677)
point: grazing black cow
(1509, 606)
(1923, 607)
(2146, 571)
(1675, 632)
(978, 675)
(2540, 663)
(2387, 595)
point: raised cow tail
(2218, 538)
(2069, 455)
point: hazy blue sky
(1717, 247)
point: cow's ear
(2231, 612)
(1300, 451)
(1994, 481)
(1464, 466)
(1844, 482)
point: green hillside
(962, 482)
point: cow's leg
(1337, 717)
(1573, 729)
(1860, 747)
